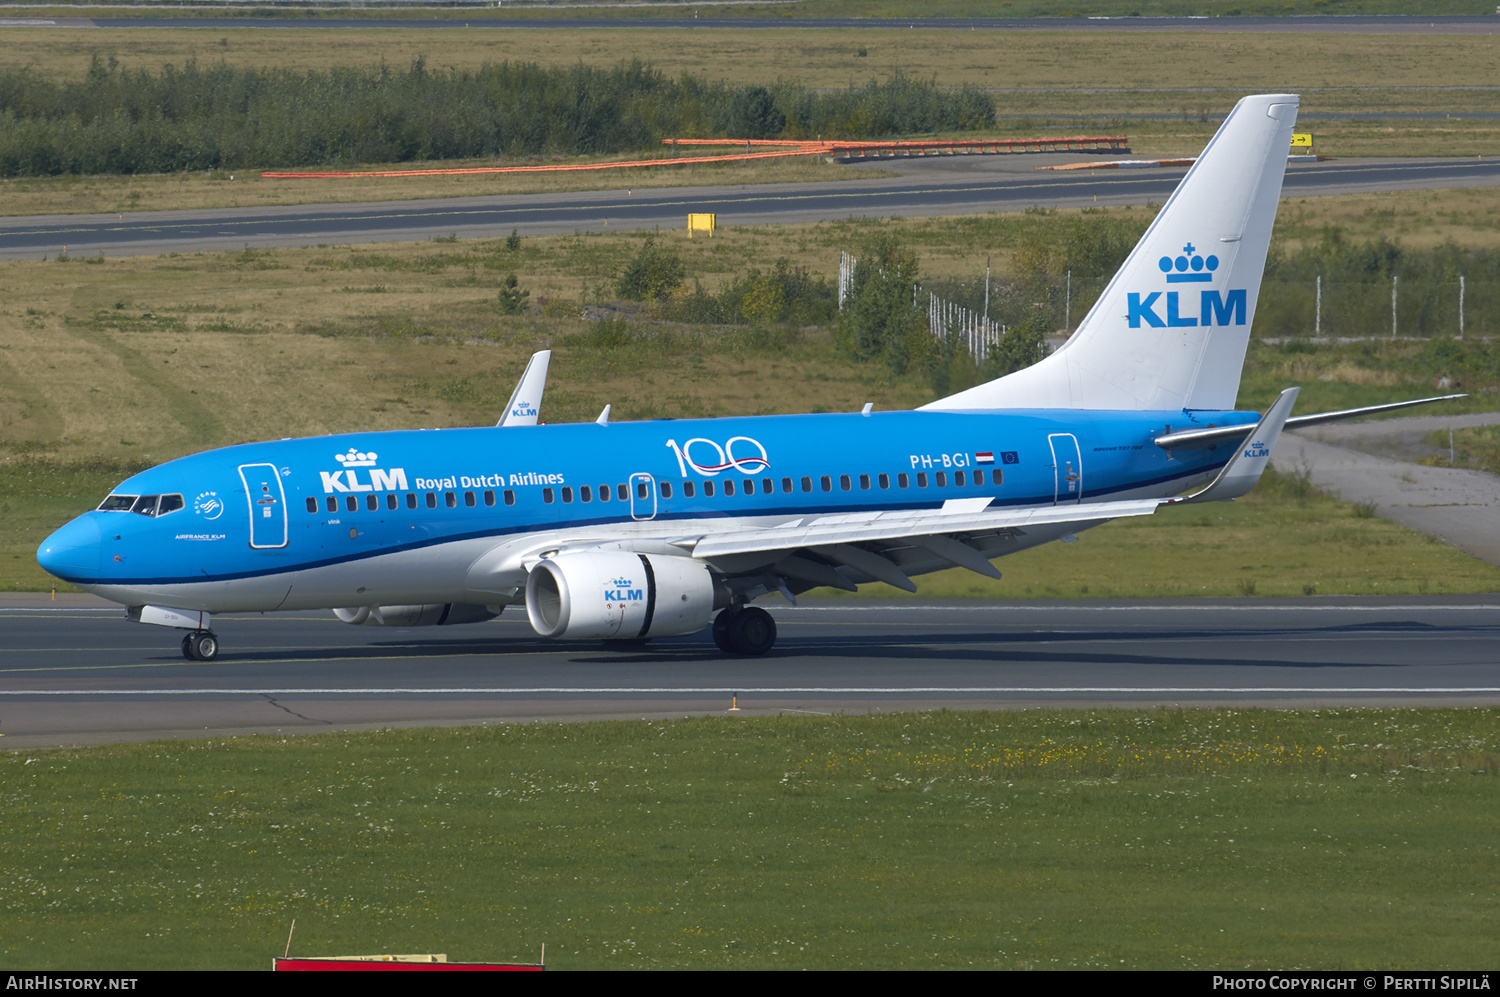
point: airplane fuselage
(453, 515)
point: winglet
(526, 401)
(1244, 469)
(603, 419)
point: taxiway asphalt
(932, 186)
(77, 672)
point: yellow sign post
(701, 223)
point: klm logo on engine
(348, 480)
(622, 592)
(1174, 309)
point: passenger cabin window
(547, 495)
(666, 489)
(786, 485)
(489, 498)
(844, 483)
(372, 503)
(688, 489)
(903, 480)
(333, 503)
(411, 500)
(567, 493)
(766, 486)
(958, 478)
(585, 494)
(864, 482)
(432, 500)
(450, 500)
(826, 482)
(351, 503)
(390, 500)
(942, 479)
(921, 479)
(807, 484)
(729, 487)
(603, 493)
(510, 497)
(622, 493)
(885, 481)
(312, 504)
(708, 489)
(469, 499)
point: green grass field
(1345, 839)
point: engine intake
(618, 595)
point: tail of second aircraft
(1170, 330)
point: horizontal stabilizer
(1244, 469)
(1205, 439)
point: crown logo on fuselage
(1188, 268)
(356, 459)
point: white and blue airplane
(629, 531)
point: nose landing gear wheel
(749, 631)
(200, 645)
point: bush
(880, 321)
(511, 300)
(654, 273)
(1020, 347)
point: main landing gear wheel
(744, 631)
(200, 645)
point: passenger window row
(393, 501)
(621, 492)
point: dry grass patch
(248, 189)
(1349, 65)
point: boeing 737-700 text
(629, 531)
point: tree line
(118, 120)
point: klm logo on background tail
(1214, 307)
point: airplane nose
(73, 552)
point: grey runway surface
(81, 674)
(1303, 24)
(948, 185)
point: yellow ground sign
(1301, 140)
(701, 223)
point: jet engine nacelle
(619, 595)
(440, 614)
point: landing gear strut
(750, 630)
(200, 645)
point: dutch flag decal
(987, 457)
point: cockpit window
(145, 505)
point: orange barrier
(681, 161)
(990, 146)
(785, 147)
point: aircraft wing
(814, 531)
(880, 545)
(1218, 436)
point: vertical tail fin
(1170, 330)
(525, 405)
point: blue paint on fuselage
(210, 538)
